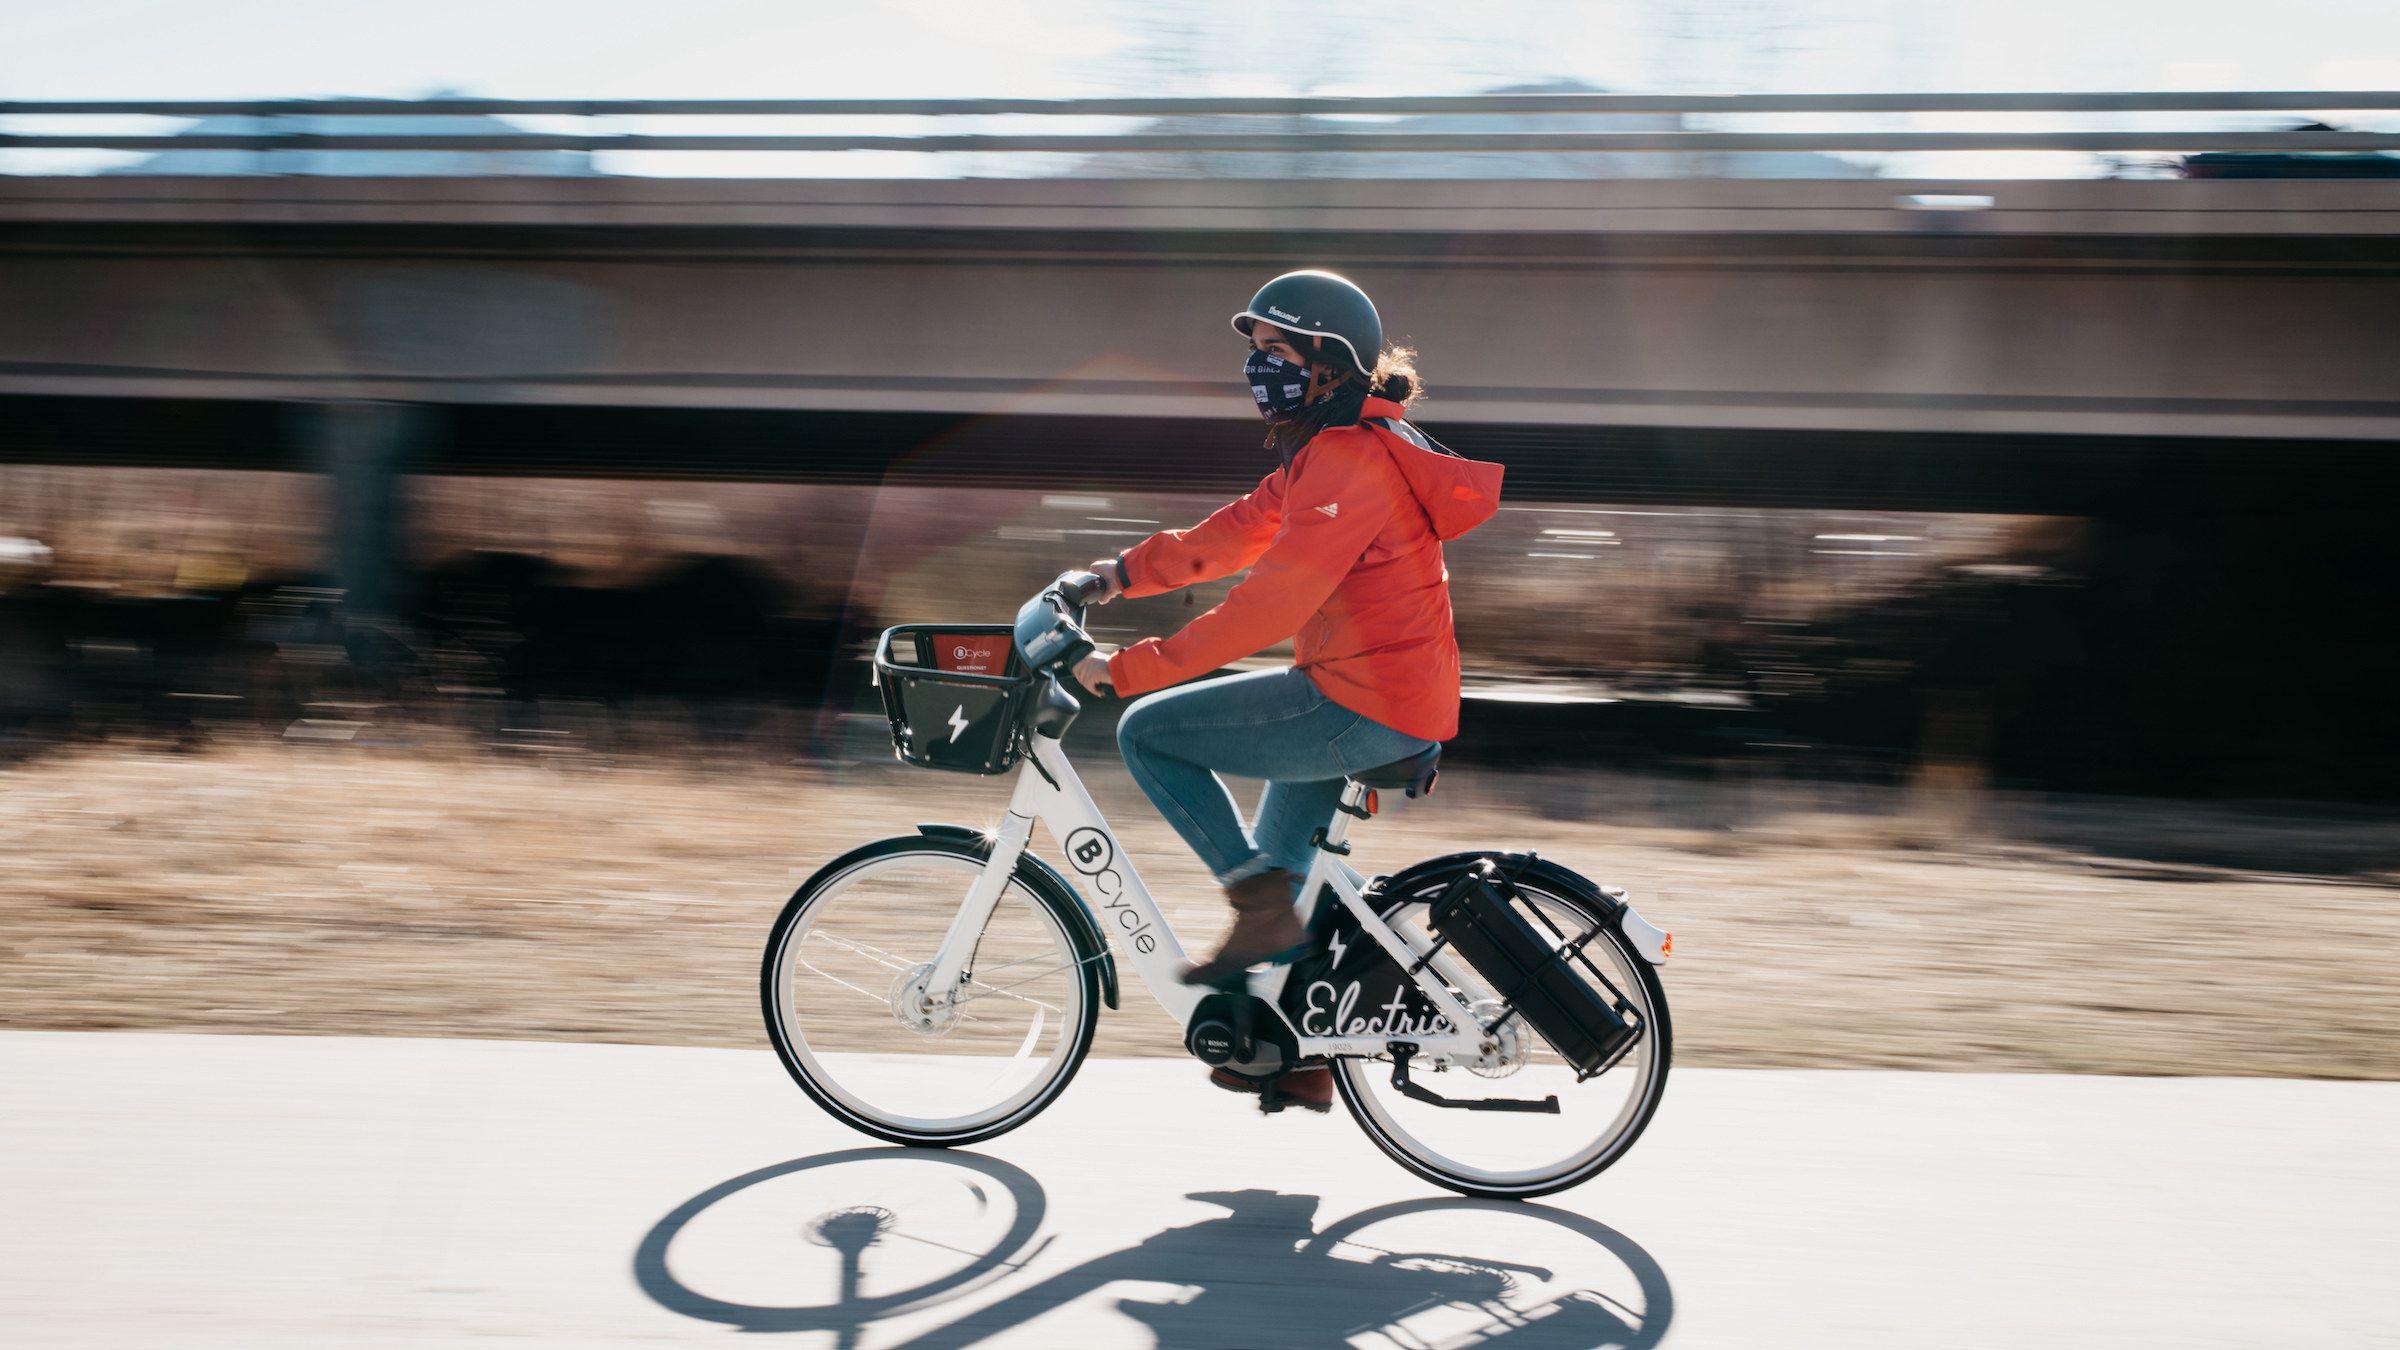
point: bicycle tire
(792, 990)
(1373, 1107)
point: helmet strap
(1322, 382)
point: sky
(241, 49)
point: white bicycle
(942, 988)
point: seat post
(1353, 794)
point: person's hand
(1092, 672)
(1108, 570)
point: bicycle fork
(949, 970)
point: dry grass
(303, 890)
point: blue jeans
(1270, 724)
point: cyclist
(1343, 542)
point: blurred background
(453, 463)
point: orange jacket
(1344, 551)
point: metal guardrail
(1322, 139)
(1299, 143)
(2305, 100)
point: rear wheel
(1512, 1155)
(843, 980)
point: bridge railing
(1316, 126)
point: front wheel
(842, 988)
(1516, 1155)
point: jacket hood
(1457, 493)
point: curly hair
(1395, 376)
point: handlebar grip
(1079, 588)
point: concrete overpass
(2204, 369)
(1610, 338)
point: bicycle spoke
(1003, 989)
(872, 953)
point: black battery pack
(1482, 923)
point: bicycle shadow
(1262, 1277)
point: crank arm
(1404, 1051)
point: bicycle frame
(1049, 790)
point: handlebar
(1050, 626)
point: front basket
(955, 694)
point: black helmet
(1318, 302)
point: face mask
(1280, 386)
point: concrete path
(203, 1191)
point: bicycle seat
(1414, 775)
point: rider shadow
(1263, 1277)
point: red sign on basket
(970, 654)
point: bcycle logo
(970, 653)
(1092, 853)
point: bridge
(2202, 367)
(2018, 345)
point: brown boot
(1264, 925)
(1310, 1087)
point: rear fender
(1655, 944)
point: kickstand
(1403, 1051)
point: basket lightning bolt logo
(1334, 940)
(958, 723)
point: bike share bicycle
(942, 988)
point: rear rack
(1481, 916)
